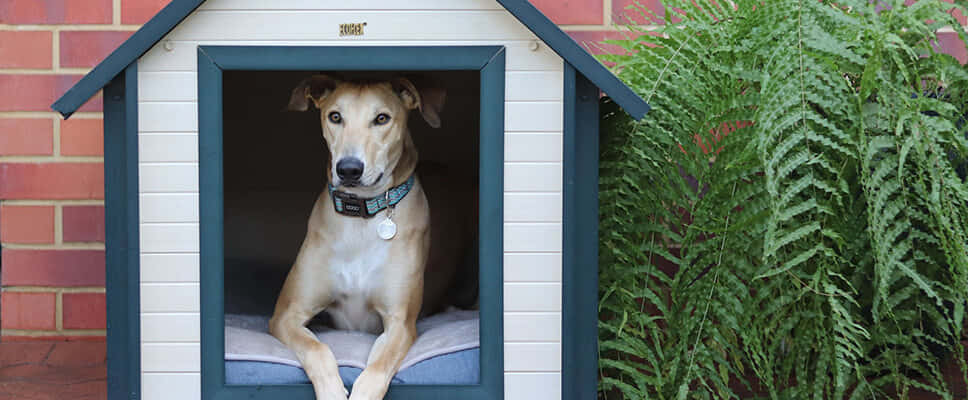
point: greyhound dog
(364, 259)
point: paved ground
(53, 370)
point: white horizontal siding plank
(160, 268)
(167, 86)
(183, 55)
(532, 327)
(350, 5)
(523, 56)
(166, 386)
(534, 147)
(532, 237)
(538, 267)
(170, 357)
(324, 25)
(168, 148)
(526, 297)
(532, 386)
(169, 238)
(534, 86)
(169, 207)
(169, 298)
(168, 178)
(533, 117)
(532, 357)
(170, 328)
(167, 117)
(532, 177)
(532, 207)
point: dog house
(208, 186)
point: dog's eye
(381, 119)
(335, 118)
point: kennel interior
(275, 167)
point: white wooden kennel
(549, 119)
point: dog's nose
(349, 169)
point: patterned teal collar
(351, 205)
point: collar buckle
(353, 205)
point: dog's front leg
(399, 333)
(316, 358)
(301, 298)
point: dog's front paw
(368, 387)
(338, 394)
(332, 392)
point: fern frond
(789, 220)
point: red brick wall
(51, 171)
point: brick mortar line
(57, 136)
(614, 28)
(55, 289)
(63, 246)
(37, 71)
(607, 8)
(116, 13)
(55, 50)
(70, 27)
(42, 333)
(48, 114)
(583, 27)
(58, 225)
(621, 27)
(52, 159)
(42, 202)
(59, 311)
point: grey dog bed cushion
(247, 339)
(460, 368)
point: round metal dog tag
(387, 229)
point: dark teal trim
(490, 61)
(491, 227)
(577, 56)
(211, 228)
(121, 244)
(177, 10)
(579, 289)
(387, 58)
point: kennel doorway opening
(262, 167)
(275, 165)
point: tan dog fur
(343, 268)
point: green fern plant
(788, 221)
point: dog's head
(365, 125)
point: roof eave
(577, 56)
(129, 51)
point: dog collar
(354, 206)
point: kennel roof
(177, 10)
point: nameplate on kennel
(351, 29)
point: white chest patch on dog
(387, 229)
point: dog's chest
(358, 257)
(356, 272)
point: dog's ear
(314, 88)
(429, 100)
